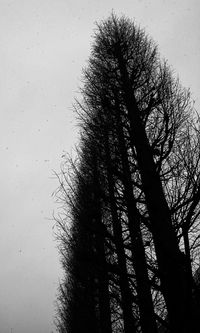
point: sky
(43, 47)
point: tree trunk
(102, 273)
(167, 251)
(147, 316)
(128, 316)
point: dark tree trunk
(102, 272)
(126, 297)
(168, 254)
(147, 317)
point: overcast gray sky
(43, 46)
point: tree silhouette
(129, 242)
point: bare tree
(134, 195)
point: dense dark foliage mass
(129, 232)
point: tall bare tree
(134, 194)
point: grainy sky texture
(43, 46)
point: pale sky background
(43, 46)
